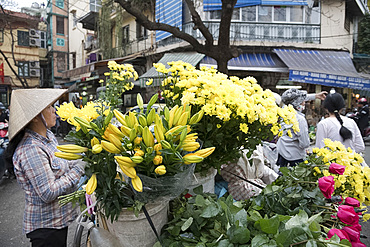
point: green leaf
(225, 243)
(187, 224)
(270, 226)
(310, 243)
(210, 211)
(199, 245)
(198, 190)
(254, 215)
(259, 240)
(297, 220)
(241, 216)
(157, 244)
(238, 235)
(200, 201)
(287, 237)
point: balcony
(132, 47)
(251, 31)
(91, 43)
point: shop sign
(329, 80)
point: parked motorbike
(366, 136)
(4, 141)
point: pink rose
(352, 202)
(353, 235)
(358, 244)
(347, 215)
(341, 234)
(336, 168)
(326, 185)
(356, 227)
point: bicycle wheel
(78, 236)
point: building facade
(20, 52)
(57, 42)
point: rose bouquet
(238, 113)
(350, 179)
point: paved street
(12, 206)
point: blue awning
(251, 62)
(209, 5)
(329, 68)
(168, 12)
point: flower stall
(147, 161)
(318, 203)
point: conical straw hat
(26, 104)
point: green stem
(306, 182)
(324, 207)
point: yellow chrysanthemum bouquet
(238, 113)
(355, 180)
(136, 157)
(118, 80)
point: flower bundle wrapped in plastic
(238, 112)
(143, 157)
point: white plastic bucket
(208, 181)
(135, 231)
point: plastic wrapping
(166, 187)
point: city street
(12, 206)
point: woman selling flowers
(291, 146)
(42, 176)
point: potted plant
(238, 113)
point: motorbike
(4, 141)
(366, 136)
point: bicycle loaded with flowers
(133, 158)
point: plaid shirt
(44, 177)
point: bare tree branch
(222, 52)
(199, 23)
(151, 25)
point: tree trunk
(222, 65)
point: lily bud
(160, 170)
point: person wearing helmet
(291, 149)
(362, 115)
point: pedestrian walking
(292, 148)
(337, 127)
(42, 175)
